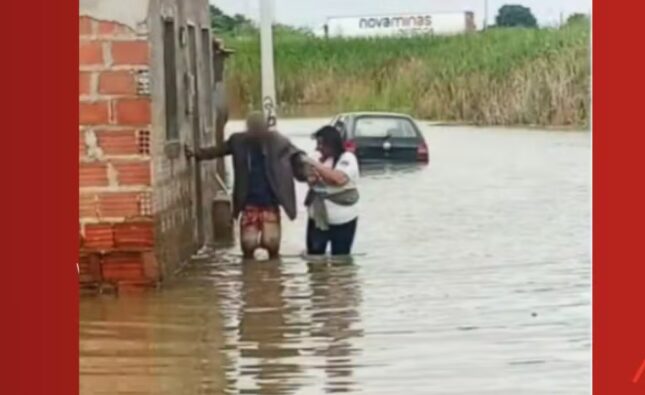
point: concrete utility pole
(485, 14)
(269, 102)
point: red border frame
(619, 211)
(39, 203)
(39, 291)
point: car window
(383, 127)
(341, 125)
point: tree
(513, 15)
(287, 30)
(577, 18)
(223, 23)
(239, 25)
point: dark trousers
(341, 238)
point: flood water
(471, 276)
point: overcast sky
(314, 13)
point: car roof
(374, 114)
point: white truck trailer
(401, 24)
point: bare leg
(271, 232)
(271, 237)
(249, 240)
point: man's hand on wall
(190, 154)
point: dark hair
(330, 137)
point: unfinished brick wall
(115, 193)
(139, 200)
(174, 189)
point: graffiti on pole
(269, 110)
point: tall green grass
(496, 77)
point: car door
(369, 135)
(379, 137)
(403, 142)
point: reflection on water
(287, 324)
(393, 169)
(166, 343)
(263, 331)
(471, 277)
(335, 297)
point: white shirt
(337, 214)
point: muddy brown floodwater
(472, 276)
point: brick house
(145, 89)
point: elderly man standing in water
(265, 164)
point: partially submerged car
(376, 136)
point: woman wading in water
(332, 200)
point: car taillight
(422, 153)
(350, 146)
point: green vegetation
(503, 76)
(240, 26)
(578, 18)
(512, 15)
(222, 23)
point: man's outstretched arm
(210, 153)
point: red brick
(130, 52)
(90, 52)
(119, 272)
(85, 277)
(89, 266)
(92, 175)
(84, 80)
(134, 234)
(150, 266)
(113, 28)
(81, 145)
(93, 113)
(108, 27)
(85, 26)
(87, 206)
(133, 112)
(99, 237)
(133, 173)
(117, 83)
(124, 204)
(118, 266)
(84, 268)
(122, 142)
